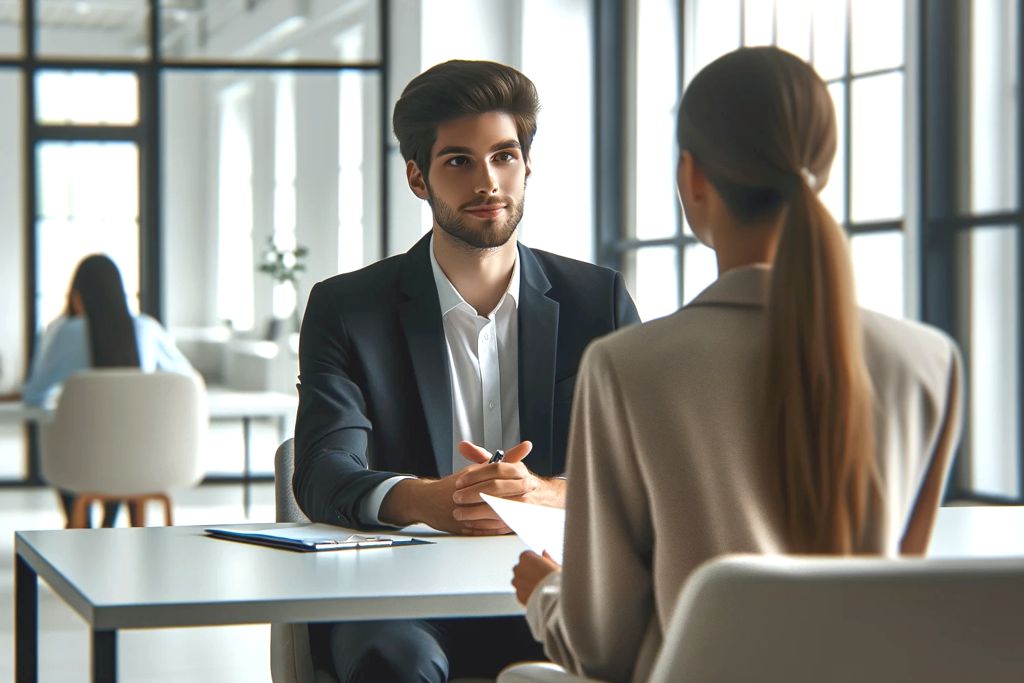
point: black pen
(498, 456)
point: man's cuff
(369, 509)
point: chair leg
(168, 515)
(80, 512)
(137, 511)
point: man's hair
(458, 88)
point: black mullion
(33, 474)
(87, 133)
(226, 65)
(868, 227)
(609, 104)
(29, 208)
(384, 24)
(865, 74)
(150, 191)
(961, 222)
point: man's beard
(490, 235)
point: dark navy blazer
(375, 394)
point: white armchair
(772, 618)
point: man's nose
(487, 180)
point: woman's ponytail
(819, 422)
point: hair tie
(809, 178)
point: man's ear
(529, 168)
(417, 183)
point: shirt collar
(450, 298)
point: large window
(927, 179)
(864, 67)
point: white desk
(158, 577)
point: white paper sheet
(541, 528)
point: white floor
(197, 655)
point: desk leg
(26, 616)
(246, 471)
(104, 656)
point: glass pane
(91, 29)
(87, 97)
(559, 59)
(714, 30)
(758, 22)
(830, 38)
(657, 84)
(655, 272)
(252, 156)
(88, 203)
(990, 285)
(358, 171)
(877, 147)
(10, 27)
(876, 35)
(834, 195)
(236, 31)
(700, 270)
(995, 92)
(793, 30)
(12, 256)
(878, 271)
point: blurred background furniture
(125, 435)
(773, 618)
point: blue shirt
(64, 350)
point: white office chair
(125, 435)
(291, 659)
(763, 618)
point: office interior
(195, 141)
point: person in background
(769, 415)
(97, 330)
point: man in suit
(420, 364)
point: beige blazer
(666, 468)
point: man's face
(477, 179)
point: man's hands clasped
(453, 503)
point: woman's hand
(530, 571)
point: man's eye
(505, 156)
(457, 161)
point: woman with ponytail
(97, 330)
(769, 415)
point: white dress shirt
(483, 363)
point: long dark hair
(112, 341)
(761, 124)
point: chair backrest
(840, 619)
(284, 467)
(124, 432)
